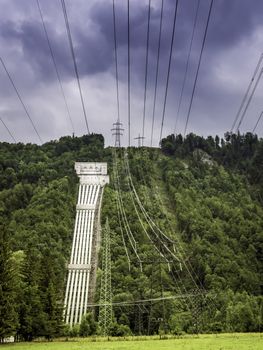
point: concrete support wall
(83, 262)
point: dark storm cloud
(233, 26)
(93, 50)
(29, 36)
(230, 22)
(234, 20)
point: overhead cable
(166, 251)
(129, 78)
(142, 224)
(249, 100)
(169, 67)
(74, 61)
(118, 206)
(198, 67)
(157, 70)
(146, 68)
(260, 116)
(20, 99)
(140, 301)
(8, 130)
(247, 91)
(116, 59)
(55, 65)
(187, 65)
(124, 216)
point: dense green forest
(194, 209)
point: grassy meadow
(240, 341)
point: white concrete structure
(83, 262)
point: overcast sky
(232, 50)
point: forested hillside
(194, 230)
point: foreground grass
(240, 341)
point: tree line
(204, 193)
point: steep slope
(217, 229)
(194, 237)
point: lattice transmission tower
(117, 132)
(105, 311)
(140, 140)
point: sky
(232, 49)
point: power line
(169, 67)
(141, 301)
(198, 67)
(260, 116)
(157, 69)
(8, 130)
(123, 214)
(246, 94)
(187, 65)
(116, 60)
(249, 100)
(122, 227)
(149, 220)
(54, 63)
(74, 60)
(20, 99)
(129, 78)
(164, 240)
(146, 68)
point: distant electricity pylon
(117, 132)
(140, 140)
(105, 311)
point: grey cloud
(232, 22)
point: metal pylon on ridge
(117, 132)
(140, 140)
(105, 311)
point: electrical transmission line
(117, 127)
(157, 70)
(147, 217)
(146, 68)
(249, 100)
(180, 250)
(187, 65)
(142, 224)
(116, 60)
(129, 78)
(247, 91)
(163, 241)
(169, 68)
(8, 130)
(198, 67)
(142, 301)
(260, 116)
(20, 99)
(157, 242)
(124, 216)
(54, 63)
(118, 205)
(74, 60)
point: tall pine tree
(8, 314)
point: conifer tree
(8, 314)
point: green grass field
(203, 342)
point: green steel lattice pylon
(105, 311)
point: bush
(88, 325)
(74, 331)
(119, 330)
